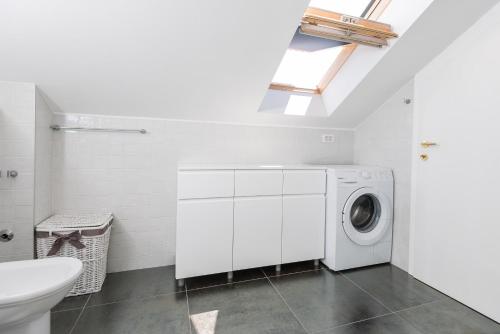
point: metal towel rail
(58, 128)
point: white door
(303, 228)
(204, 237)
(456, 226)
(257, 231)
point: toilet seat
(32, 288)
(51, 274)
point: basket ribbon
(73, 238)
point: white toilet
(29, 289)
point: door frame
(413, 183)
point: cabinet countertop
(251, 166)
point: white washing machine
(358, 217)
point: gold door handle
(427, 144)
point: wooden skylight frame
(287, 87)
(357, 26)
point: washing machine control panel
(360, 175)
(365, 174)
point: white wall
(384, 138)
(17, 145)
(134, 175)
(43, 159)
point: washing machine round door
(366, 216)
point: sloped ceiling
(194, 59)
(188, 59)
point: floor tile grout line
(408, 322)
(390, 309)
(378, 300)
(286, 304)
(188, 312)
(136, 299)
(397, 314)
(228, 283)
(417, 306)
(186, 289)
(67, 310)
(254, 279)
(79, 315)
(352, 323)
(295, 272)
(264, 272)
(369, 294)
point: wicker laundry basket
(85, 237)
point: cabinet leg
(230, 277)
(316, 263)
(180, 283)
(278, 269)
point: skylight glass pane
(305, 69)
(348, 7)
(297, 105)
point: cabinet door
(204, 237)
(303, 228)
(257, 231)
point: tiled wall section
(43, 158)
(134, 175)
(385, 139)
(17, 131)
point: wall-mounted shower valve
(6, 235)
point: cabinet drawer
(297, 182)
(205, 184)
(258, 182)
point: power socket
(327, 138)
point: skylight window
(327, 36)
(297, 105)
(305, 69)
(346, 7)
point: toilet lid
(52, 276)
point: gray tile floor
(303, 299)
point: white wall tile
(385, 139)
(17, 138)
(134, 176)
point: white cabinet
(205, 184)
(257, 231)
(303, 227)
(258, 182)
(232, 219)
(204, 237)
(297, 182)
